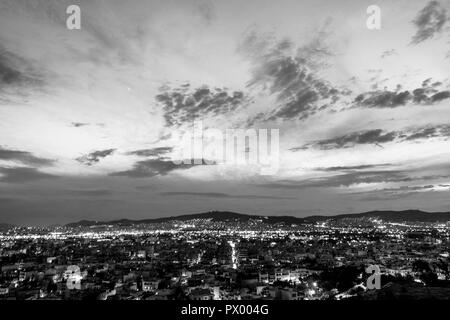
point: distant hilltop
(391, 216)
(5, 227)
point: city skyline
(88, 115)
(226, 256)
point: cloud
(223, 195)
(378, 137)
(440, 96)
(424, 134)
(185, 104)
(154, 152)
(429, 21)
(427, 132)
(388, 53)
(24, 157)
(22, 174)
(16, 72)
(375, 136)
(19, 78)
(383, 99)
(153, 167)
(94, 157)
(361, 176)
(427, 94)
(290, 74)
(394, 193)
(8, 75)
(345, 180)
(79, 124)
(347, 168)
(387, 196)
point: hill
(5, 227)
(392, 216)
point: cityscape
(227, 256)
(224, 155)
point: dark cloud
(223, 195)
(426, 82)
(24, 157)
(22, 174)
(388, 53)
(154, 152)
(16, 71)
(440, 96)
(427, 94)
(383, 99)
(424, 134)
(442, 131)
(94, 157)
(377, 137)
(184, 104)
(402, 188)
(290, 74)
(445, 185)
(153, 167)
(393, 193)
(388, 196)
(420, 95)
(429, 21)
(79, 124)
(346, 179)
(8, 75)
(350, 168)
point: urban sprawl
(203, 259)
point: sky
(89, 116)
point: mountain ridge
(388, 215)
(6, 226)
